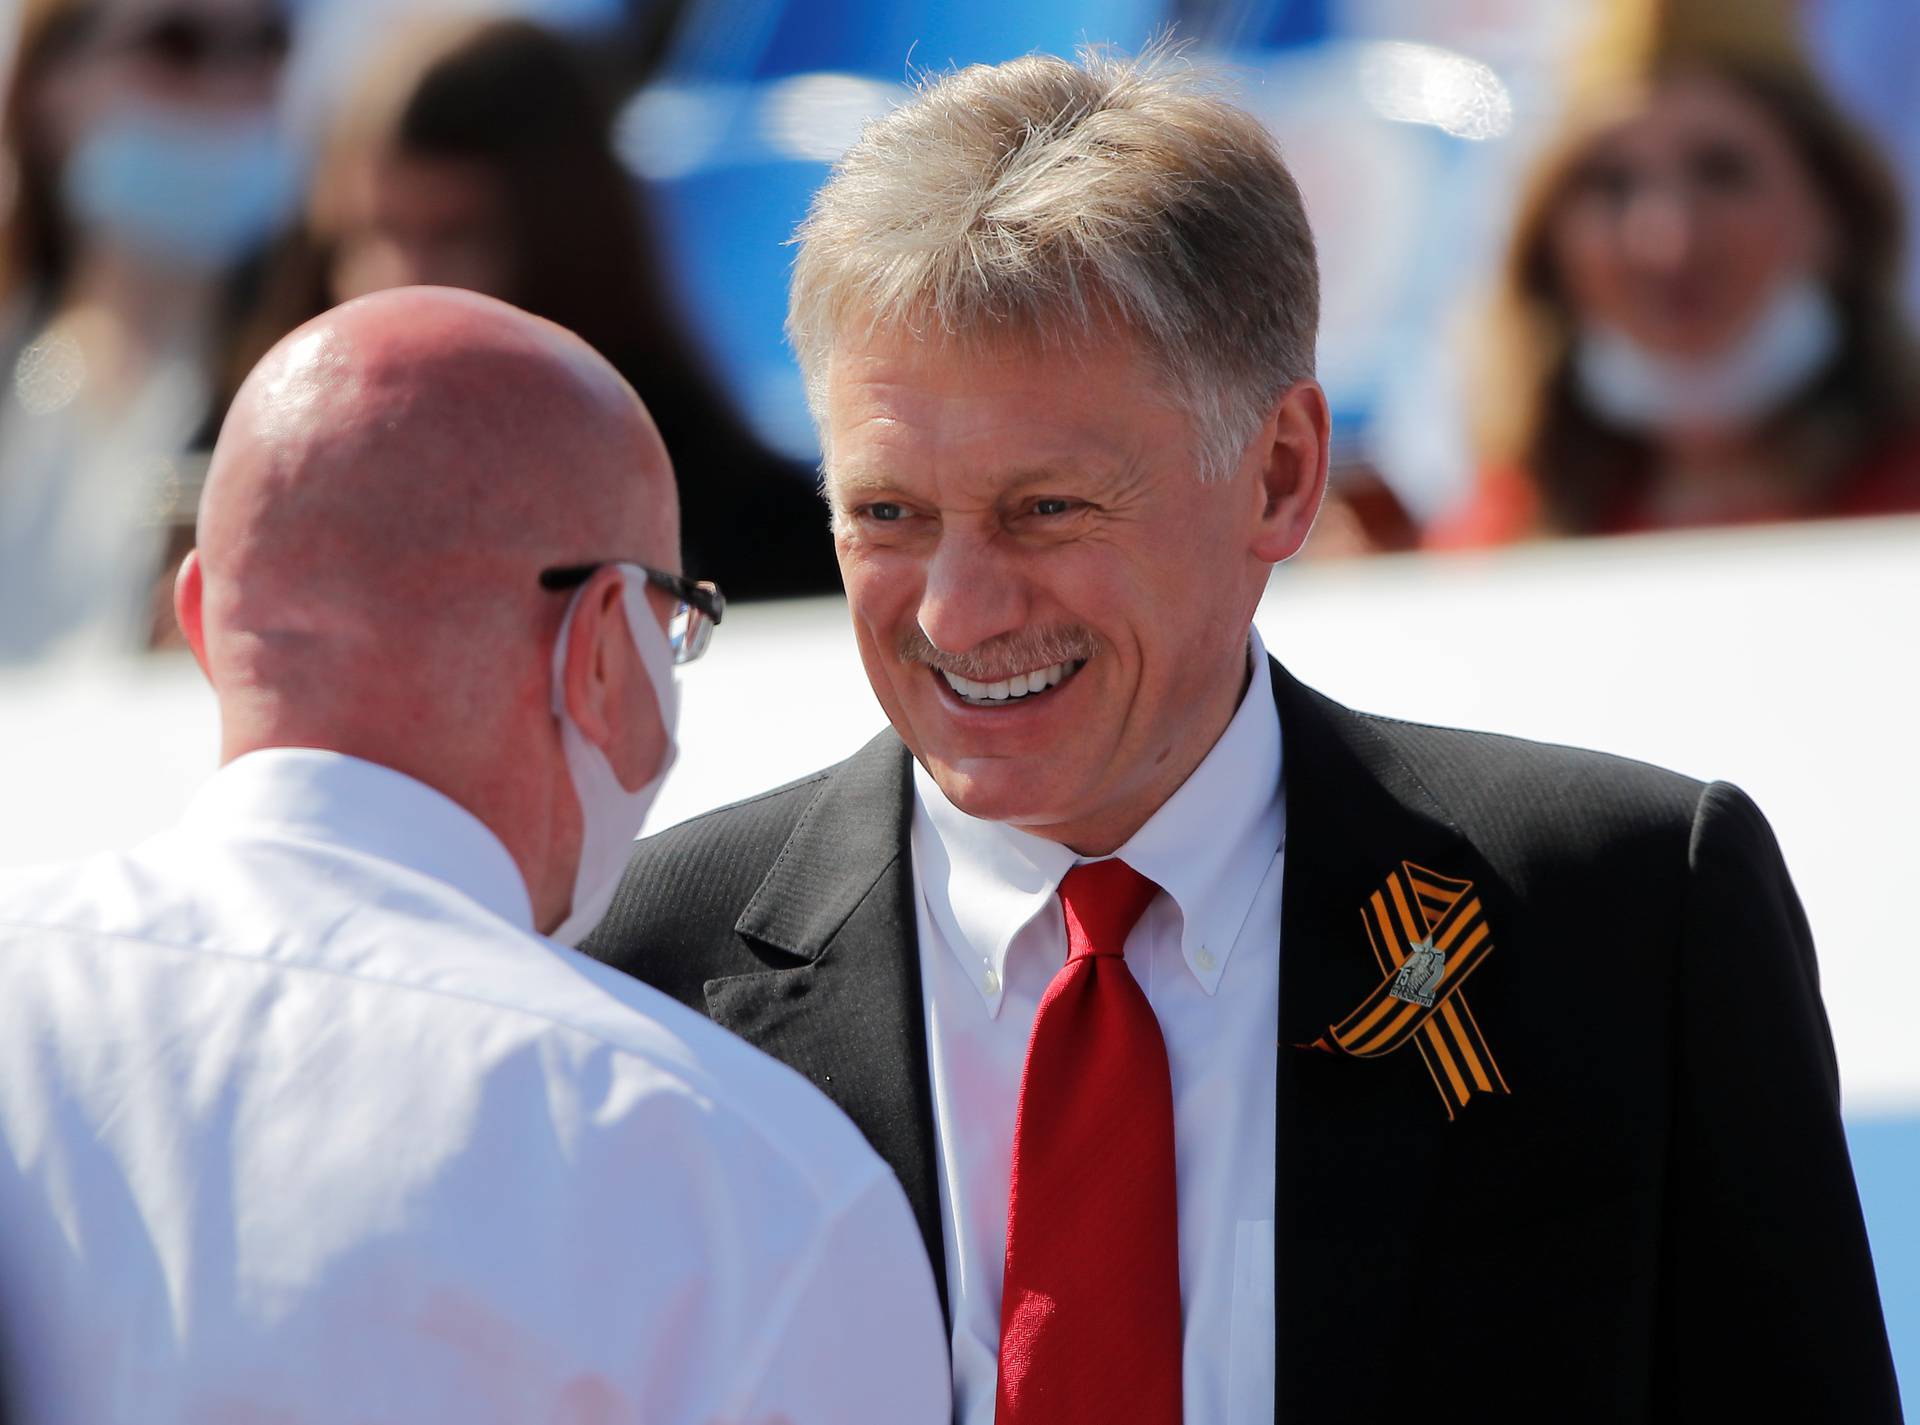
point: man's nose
(974, 591)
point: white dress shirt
(299, 1121)
(1206, 953)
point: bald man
(303, 1115)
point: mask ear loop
(656, 657)
(610, 813)
(649, 641)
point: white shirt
(1207, 955)
(299, 1121)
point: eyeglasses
(690, 629)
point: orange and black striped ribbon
(1416, 908)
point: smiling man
(1147, 968)
(1053, 610)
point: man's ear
(1292, 476)
(599, 626)
(188, 590)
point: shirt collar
(306, 794)
(1209, 847)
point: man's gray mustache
(1005, 655)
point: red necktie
(1090, 1304)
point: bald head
(405, 458)
(386, 489)
(389, 484)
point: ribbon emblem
(1429, 933)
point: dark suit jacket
(1657, 1222)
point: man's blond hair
(1042, 199)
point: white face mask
(1789, 344)
(610, 815)
(200, 191)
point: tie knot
(1101, 901)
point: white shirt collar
(1209, 847)
(306, 794)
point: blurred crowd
(166, 226)
(1698, 319)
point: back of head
(388, 486)
(1037, 199)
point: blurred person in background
(145, 166)
(1700, 321)
(479, 155)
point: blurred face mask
(193, 190)
(1790, 343)
(610, 815)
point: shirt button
(990, 982)
(1205, 961)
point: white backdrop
(1785, 660)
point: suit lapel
(1357, 1139)
(848, 1012)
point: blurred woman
(481, 157)
(1700, 323)
(144, 166)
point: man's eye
(882, 512)
(1052, 507)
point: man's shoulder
(1464, 761)
(1543, 816)
(1533, 805)
(435, 981)
(1514, 788)
(107, 892)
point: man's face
(1032, 521)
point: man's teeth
(1007, 689)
